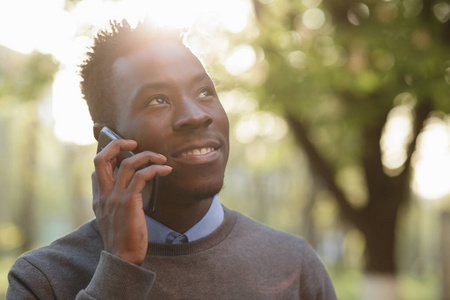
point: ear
(97, 128)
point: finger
(141, 177)
(95, 191)
(129, 166)
(105, 162)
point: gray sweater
(242, 259)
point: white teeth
(199, 151)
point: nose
(191, 116)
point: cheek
(154, 140)
(151, 136)
(221, 119)
(222, 126)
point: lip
(200, 158)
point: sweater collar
(157, 232)
(205, 243)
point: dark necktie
(176, 238)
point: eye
(204, 93)
(157, 100)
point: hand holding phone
(119, 179)
(107, 136)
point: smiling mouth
(197, 152)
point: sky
(47, 27)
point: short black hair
(109, 44)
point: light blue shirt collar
(157, 232)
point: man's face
(167, 103)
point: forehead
(157, 61)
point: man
(150, 89)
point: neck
(180, 217)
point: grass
(348, 284)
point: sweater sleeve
(315, 282)
(114, 278)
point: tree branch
(257, 6)
(377, 180)
(423, 110)
(320, 167)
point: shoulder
(282, 253)
(256, 231)
(262, 240)
(267, 241)
(84, 241)
(70, 260)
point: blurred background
(340, 128)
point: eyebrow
(201, 76)
(162, 84)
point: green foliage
(356, 62)
(25, 77)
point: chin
(200, 190)
(204, 193)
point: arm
(118, 206)
(114, 278)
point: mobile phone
(107, 136)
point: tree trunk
(79, 206)
(26, 218)
(308, 220)
(5, 162)
(379, 232)
(385, 195)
